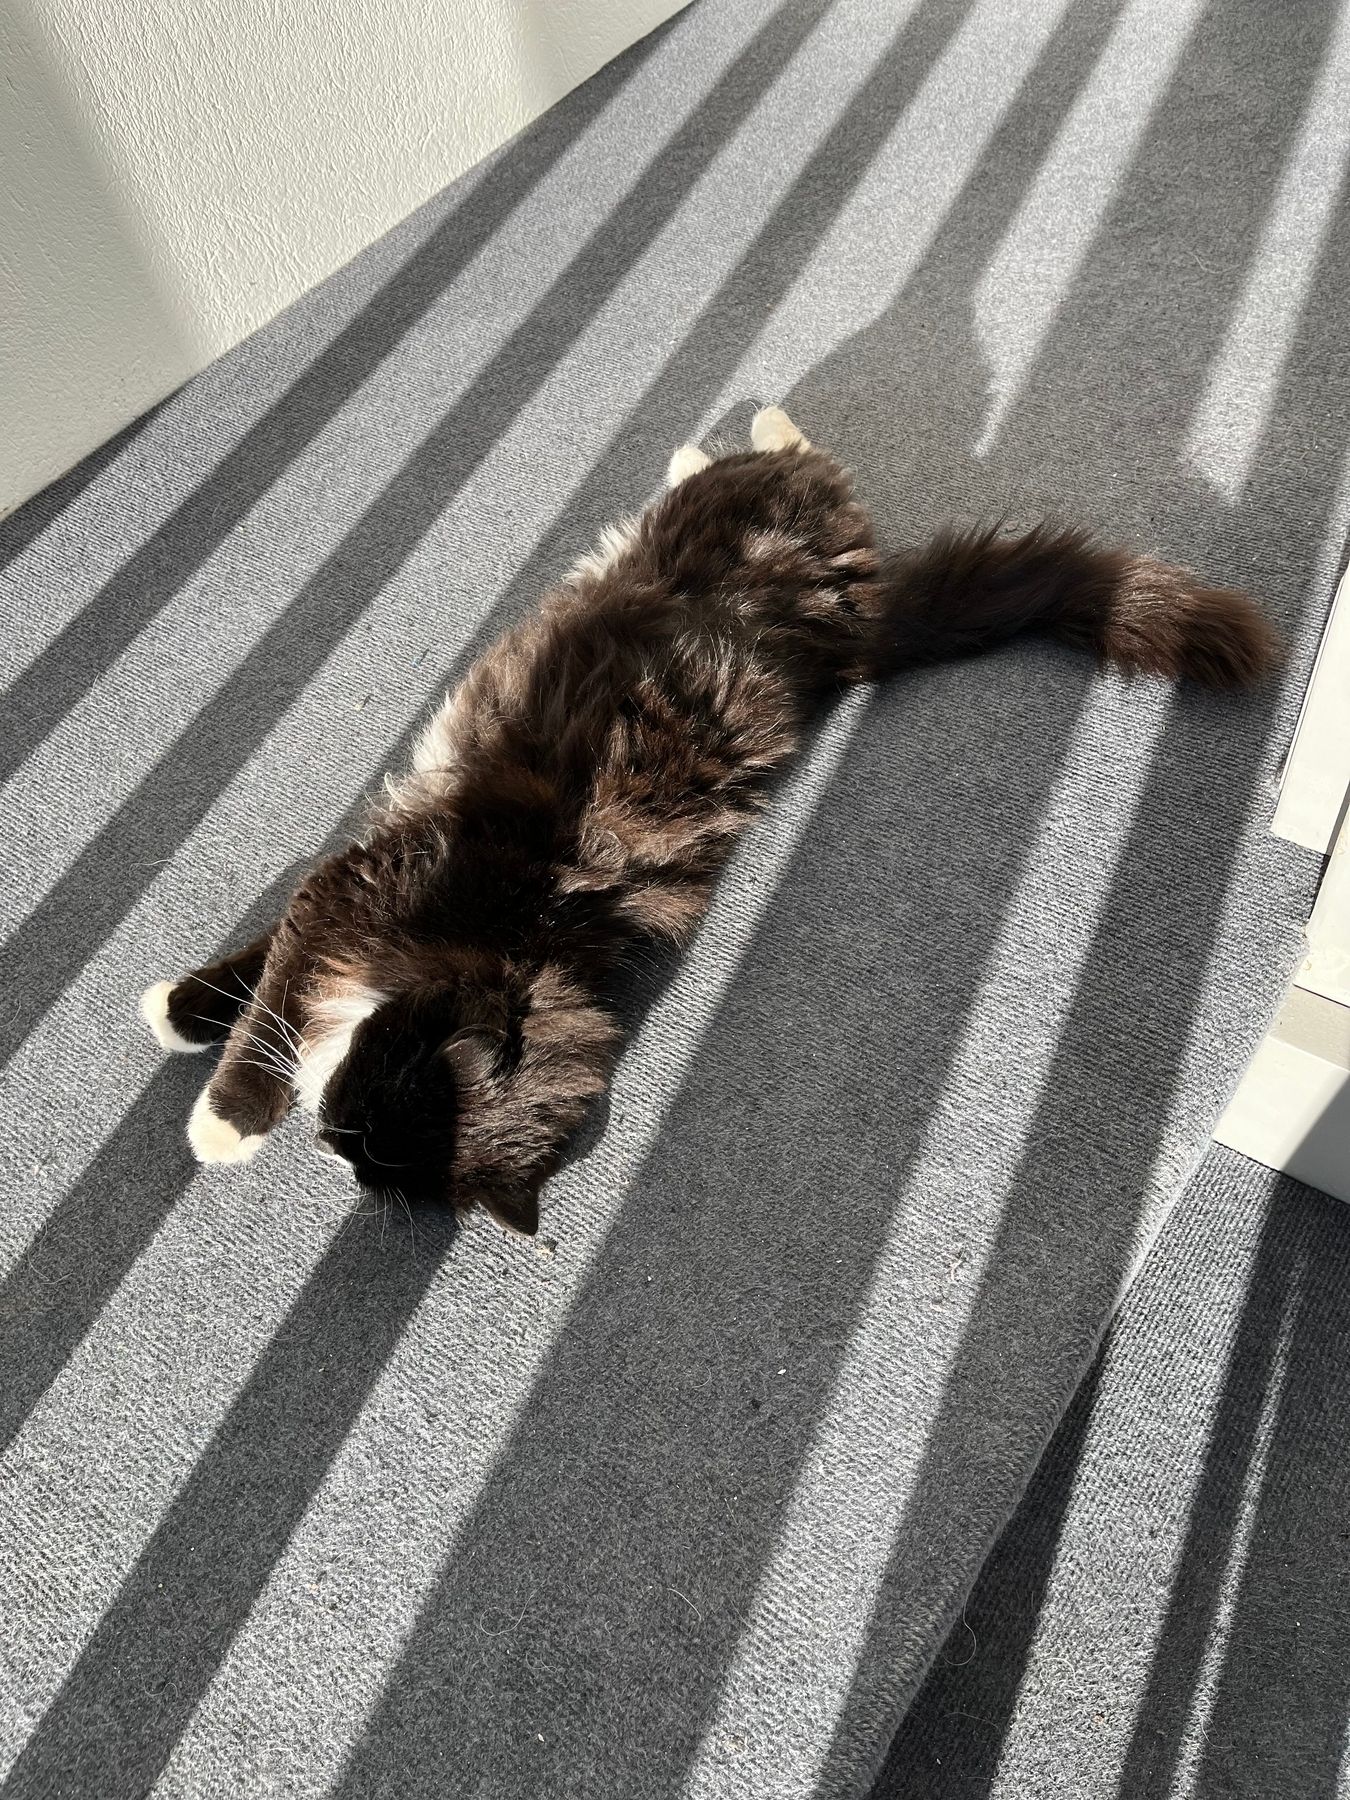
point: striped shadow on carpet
(296, 1501)
(1167, 1612)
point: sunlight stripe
(1033, 268)
(834, 1542)
(1230, 421)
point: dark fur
(605, 758)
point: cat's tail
(968, 591)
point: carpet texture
(300, 1502)
(1169, 1611)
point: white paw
(771, 429)
(154, 1009)
(215, 1140)
(686, 461)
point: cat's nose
(328, 1155)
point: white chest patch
(332, 1023)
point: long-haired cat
(435, 995)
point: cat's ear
(475, 1055)
(515, 1209)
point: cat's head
(460, 1091)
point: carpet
(1166, 1613)
(300, 1501)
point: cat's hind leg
(686, 461)
(200, 1009)
(771, 429)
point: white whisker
(267, 1068)
(249, 996)
(266, 1045)
(365, 1145)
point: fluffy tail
(967, 591)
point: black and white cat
(436, 996)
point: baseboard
(1292, 1110)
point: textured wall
(176, 174)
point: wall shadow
(78, 276)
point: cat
(437, 996)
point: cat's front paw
(154, 1009)
(215, 1140)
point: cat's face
(461, 1094)
(391, 1106)
(414, 1072)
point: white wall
(174, 172)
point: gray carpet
(296, 1502)
(1168, 1613)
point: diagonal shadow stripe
(1278, 1719)
(947, 1726)
(22, 528)
(148, 1661)
(39, 698)
(1151, 1760)
(104, 882)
